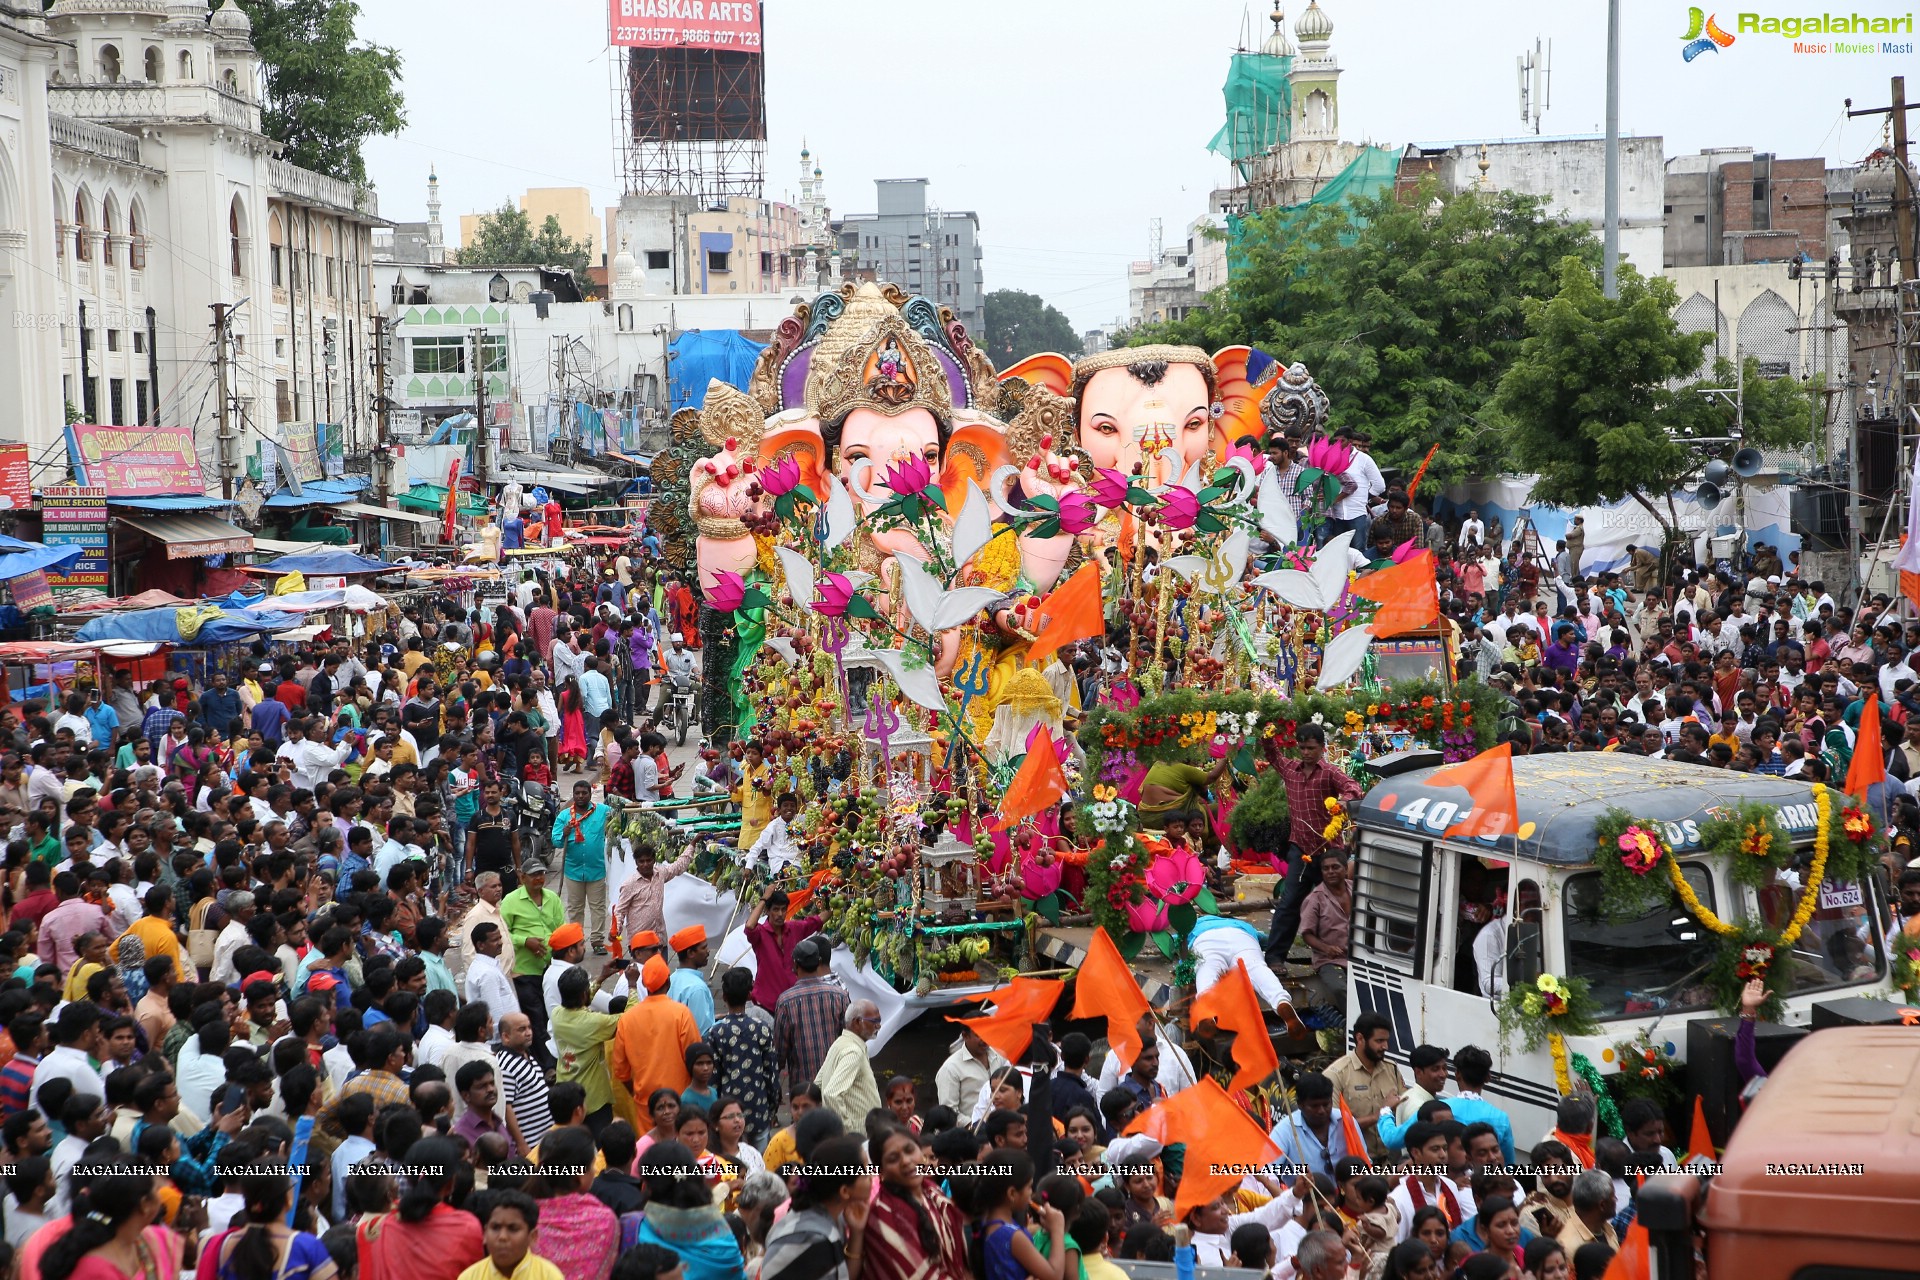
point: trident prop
(838, 636)
(882, 720)
(972, 680)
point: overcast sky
(1068, 125)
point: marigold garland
(1557, 1046)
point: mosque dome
(1277, 45)
(228, 20)
(1314, 25)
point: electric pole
(381, 456)
(482, 454)
(226, 449)
(1903, 230)
(1610, 261)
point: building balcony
(95, 139)
(306, 187)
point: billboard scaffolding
(692, 93)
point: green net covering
(1371, 172)
(1259, 108)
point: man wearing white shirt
(1350, 511)
(438, 1037)
(77, 1033)
(486, 982)
(240, 910)
(72, 719)
(1472, 530)
(1176, 1069)
(312, 761)
(775, 844)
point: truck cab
(1442, 924)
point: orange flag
(1910, 586)
(1233, 1006)
(1632, 1262)
(1072, 611)
(1869, 763)
(1106, 988)
(1414, 487)
(1406, 593)
(1037, 786)
(1009, 1028)
(1219, 1136)
(1700, 1140)
(1488, 778)
(1356, 1141)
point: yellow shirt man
(532, 1267)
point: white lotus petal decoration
(1342, 656)
(973, 527)
(784, 647)
(840, 515)
(799, 571)
(919, 684)
(1277, 519)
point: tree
(1406, 308)
(506, 239)
(1020, 324)
(327, 92)
(1603, 401)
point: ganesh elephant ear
(799, 572)
(1054, 372)
(934, 607)
(920, 684)
(1241, 375)
(1342, 656)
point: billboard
(686, 24)
(76, 517)
(136, 462)
(16, 492)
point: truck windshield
(1642, 965)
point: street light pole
(1610, 262)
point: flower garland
(1906, 967)
(1750, 842)
(1547, 1008)
(1628, 851)
(1646, 1071)
(1604, 1105)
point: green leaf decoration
(804, 493)
(1309, 477)
(1180, 919)
(1163, 940)
(1129, 946)
(1207, 903)
(1044, 502)
(1048, 908)
(1138, 497)
(859, 607)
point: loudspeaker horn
(1716, 473)
(1747, 463)
(1708, 494)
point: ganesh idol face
(1125, 418)
(868, 435)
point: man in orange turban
(689, 985)
(649, 1049)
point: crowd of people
(323, 966)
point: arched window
(109, 63)
(231, 80)
(136, 240)
(156, 64)
(233, 237)
(108, 254)
(276, 251)
(82, 231)
(186, 65)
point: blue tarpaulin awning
(320, 493)
(162, 626)
(698, 356)
(173, 502)
(35, 556)
(326, 564)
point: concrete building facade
(926, 250)
(1730, 205)
(571, 207)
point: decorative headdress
(869, 346)
(1161, 354)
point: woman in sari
(578, 1234)
(261, 1246)
(425, 1238)
(130, 955)
(682, 1216)
(108, 1236)
(914, 1232)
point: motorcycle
(680, 708)
(535, 808)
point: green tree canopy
(1020, 324)
(1603, 399)
(506, 238)
(1406, 308)
(327, 92)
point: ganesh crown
(870, 346)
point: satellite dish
(1708, 494)
(1747, 463)
(1716, 473)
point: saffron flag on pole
(1488, 778)
(1633, 1261)
(1700, 1138)
(1869, 764)
(1406, 593)
(1106, 988)
(1350, 1128)
(1039, 783)
(1414, 487)
(1219, 1135)
(1072, 611)
(449, 516)
(1234, 1006)
(1016, 1007)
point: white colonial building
(143, 191)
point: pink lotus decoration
(1077, 513)
(1330, 456)
(782, 477)
(727, 592)
(836, 593)
(1149, 916)
(1038, 879)
(1179, 508)
(1110, 488)
(1124, 694)
(1176, 878)
(1405, 551)
(1254, 457)
(909, 476)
